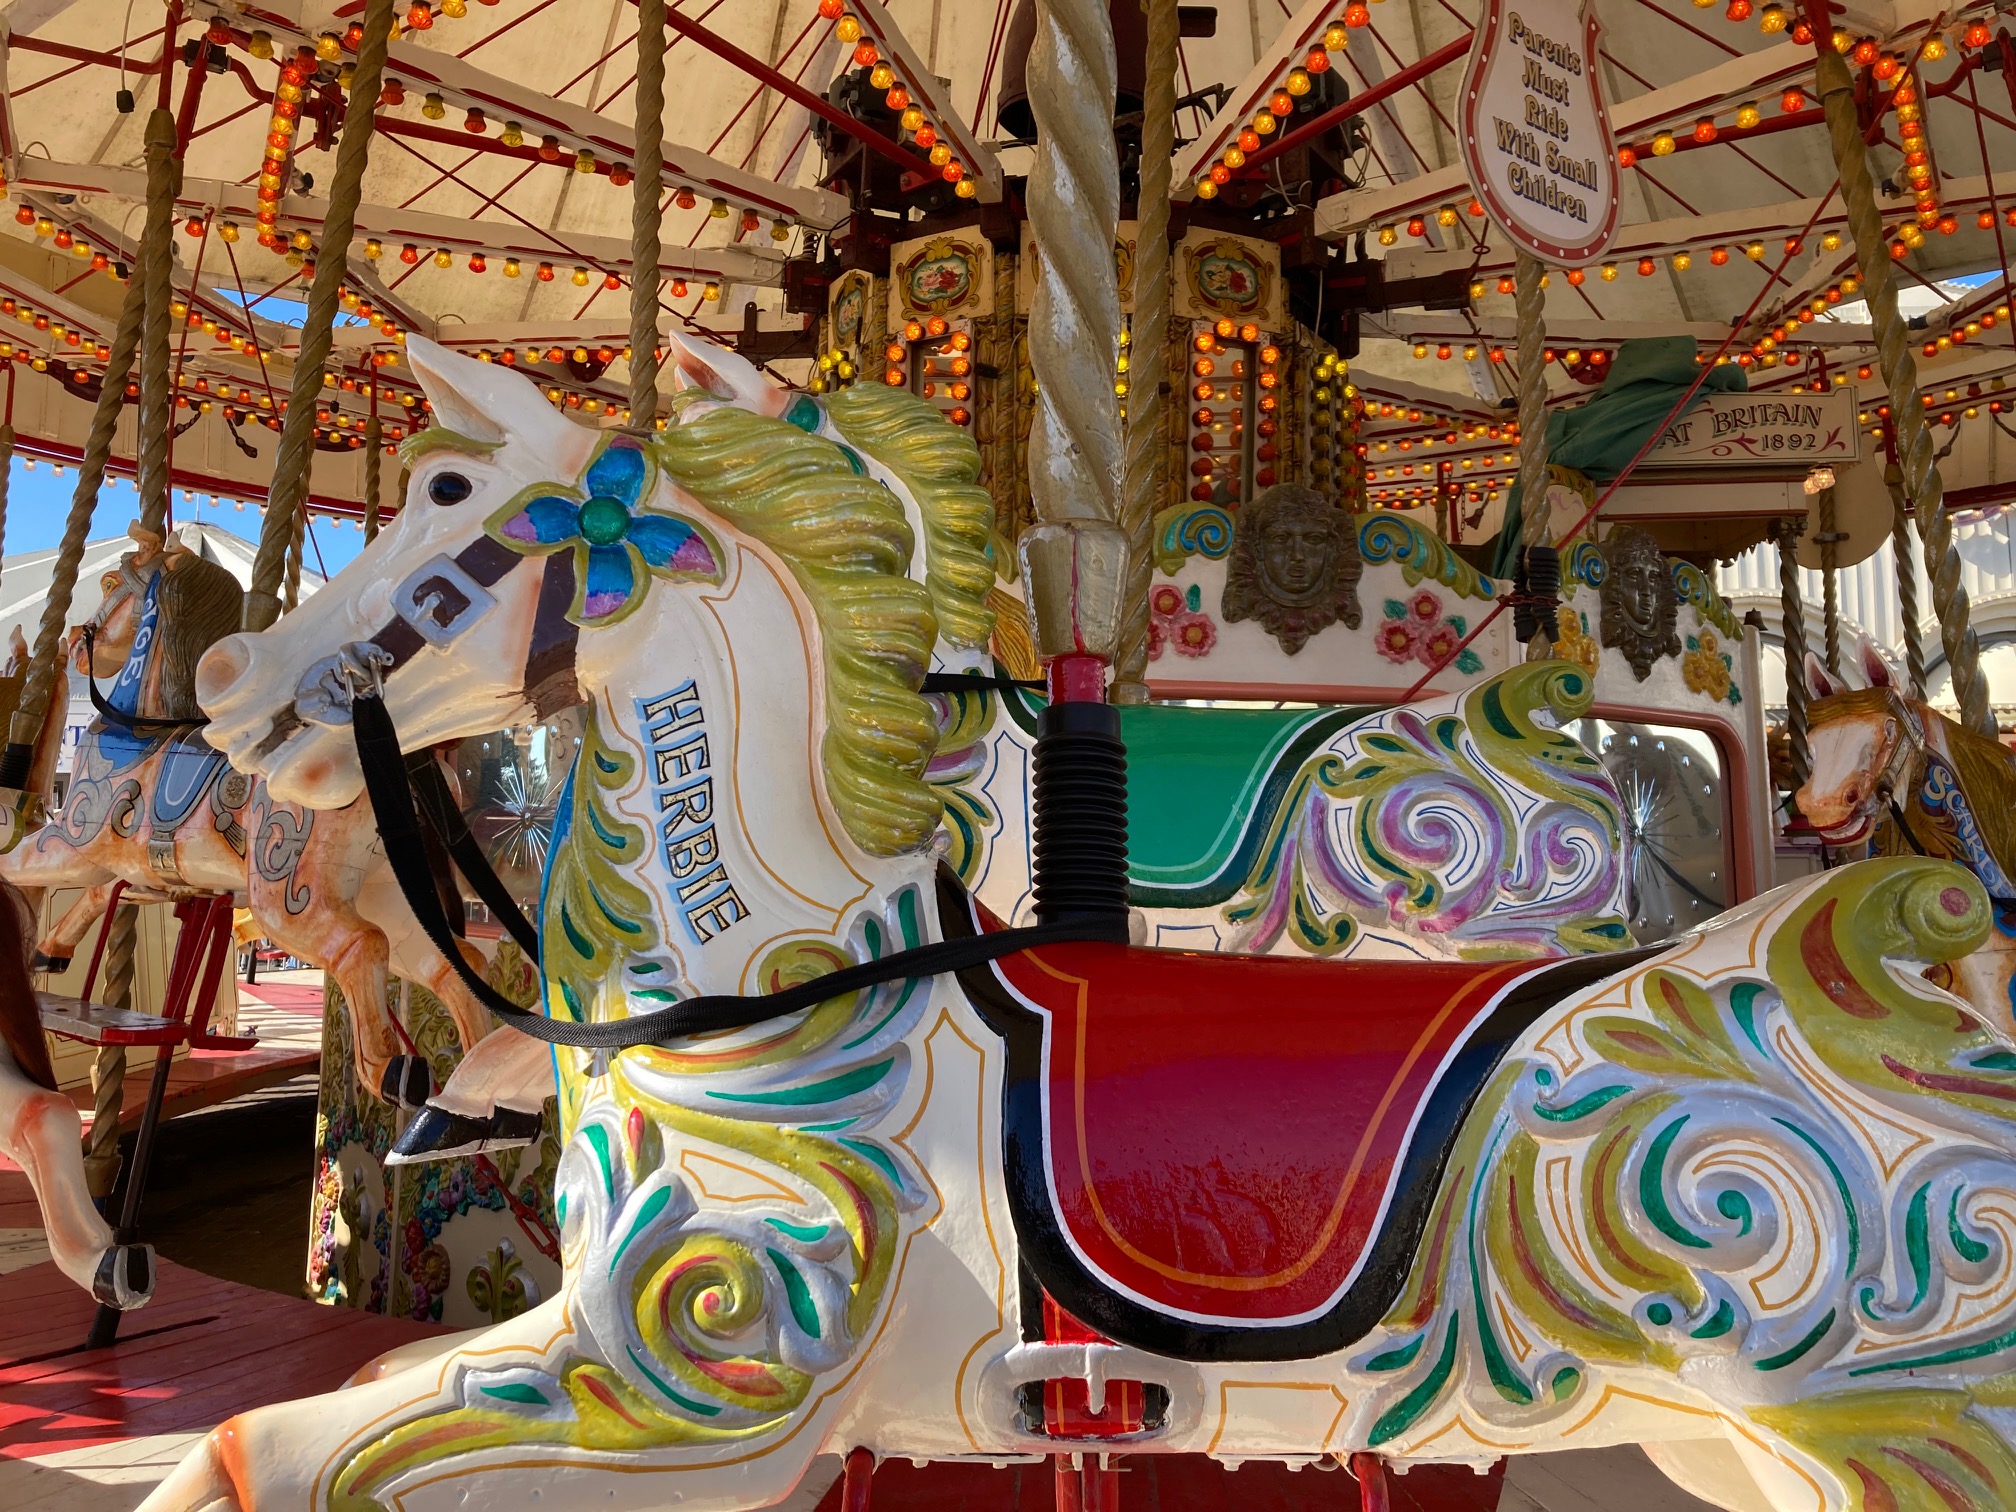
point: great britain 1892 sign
(1536, 133)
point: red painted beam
(1448, 53)
(791, 89)
(84, 54)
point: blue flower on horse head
(619, 545)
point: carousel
(896, 542)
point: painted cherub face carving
(1294, 565)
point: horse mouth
(1849, 831)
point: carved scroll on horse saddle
(1222, 1157)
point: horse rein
(436, 604)
(132, 722)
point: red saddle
(1233, 1157)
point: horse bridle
(434, 606)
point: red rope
(996, 35)
(1651, 441)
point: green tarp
(1635, 399)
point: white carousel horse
(1464, 826)
(159, 808)
(1749, 1200)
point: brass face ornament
(1294, 565)
(1641, 607)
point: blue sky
(38, 500)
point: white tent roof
(25, 578)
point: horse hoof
(125, 1277)
(51, 964)
(408, 1081)
(437, 1134)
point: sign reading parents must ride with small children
(1536, 133)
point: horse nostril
(221, 669)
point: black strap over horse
(133, 722)
(438, 602)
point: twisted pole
(374, 456)
(295, 455)
(1907, 580)
(108, 1068)
(292, 595)
(1535, 623)
(644, 191)
(1792, 620)
(41, 680)
(1147, 409)
(1829, 541)
(156, 264)
(1074, 558)
(1920, 469)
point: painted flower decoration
(1397, 639)
(1706, 669)
(1576, 643)
(1158, 636)
(1425, 607)
(618, 544)
(1166, 599)
(1193, 634)
(1439, 642)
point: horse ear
(1874, 668)
(726, 375)
(484, 401)
(1818, 682)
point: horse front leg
(35, 868)
(351, 950)
(41, 1132)
(471, 1423)
(53, 952)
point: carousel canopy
(496, 210)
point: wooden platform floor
(290, 1045)
(92, 1431)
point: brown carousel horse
(150, 802)
(1897, 774)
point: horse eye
(449, 488)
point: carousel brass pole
(1535, 623)
(154, 274)
(108, 1068)
(645, 190)
(374, 458)
(1075, 557)
(1792, 621)
(40, 683)
(1147, 409)
(1828, 539)
(290, 598)
(1920, 468)
(296, 453)
(1907, 580)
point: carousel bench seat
(101, 1024)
